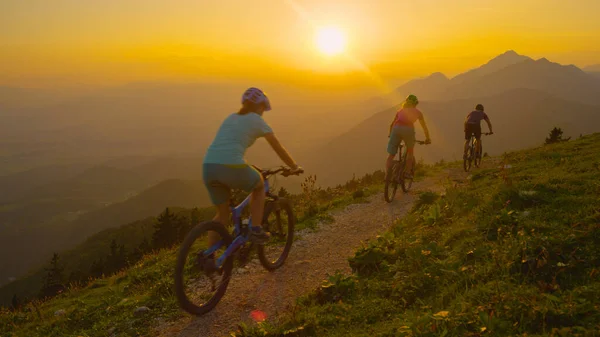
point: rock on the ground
(139, 311)
(60, 312)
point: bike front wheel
(391, 183)
(202, 272)
(279, 222)
(406, 184)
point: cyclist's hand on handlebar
(427, 141)
(293, 171)
(298, 170)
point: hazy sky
(46, 42)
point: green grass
(103, 304)
(338, 200)
(511, 252)
(108, 304)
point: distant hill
(99, 183)
(59, 235)
(521, 118)
(171, 167)
(81, 257)
(174, 192)
(427, 88)
(17, 185)
(498, 63)
(62, 200)
(593, 68)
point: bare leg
(466, 147)
(389, 163)
(257, 203)
(410, 162)
(222, 216)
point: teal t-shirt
(235, 136)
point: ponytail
(249, 107)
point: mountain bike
(396, 175)
(202, 272)
(473, 155)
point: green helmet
(479, 107)
(412, 100)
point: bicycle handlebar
(285, 171)
(421, 142)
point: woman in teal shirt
(224, 166)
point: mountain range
(505, 72)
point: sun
(331, 40)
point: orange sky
(113, 41)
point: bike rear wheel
(468, 160)
(279, 222)
(391, 183)
(199, 284)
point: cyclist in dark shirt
(473, 127)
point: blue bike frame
(239, 239)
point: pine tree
(116, 259)
(195, 217)
(145, 246)
(53, 282)
(283, 192)
(122, 257)
(139, 252)
(167, 230)
(555, 136)
(15, 303)
(97, 268)
(77, 276)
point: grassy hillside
(512, 251)
(107, 305)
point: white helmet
(256, 96)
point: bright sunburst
(331, 40)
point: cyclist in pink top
(402, 128)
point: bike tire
(467, 161)
(478, 155)
(279, 205)
(184, 301)
(391, 184)
(406, 184)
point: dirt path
(312, 258)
